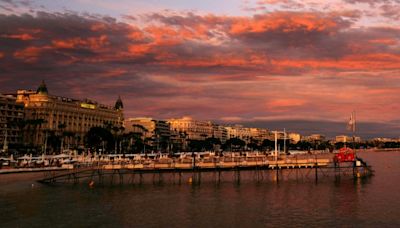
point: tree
(30, 126)
(196, 145)
(304, 145)
(37, 124)
(235, 144)
(61, 127)
(100, 138)
(68, 135)
(136, 141)
(115, 130)
(183, 135)
(268, 144)
(116, 133)
(253, 144)
(34, 126)
(141, 131)
(53, 141)
(77, 140)
(324, 145)
(210, 143)
(339, 145)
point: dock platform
(320, 167)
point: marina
(256, 113)
(189, 167)
(329, 202)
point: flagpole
(354, 131)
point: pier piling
(159, 173)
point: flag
(351, 125)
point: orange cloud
(285, 103)
(382, 91)
(283, 21)
(98, 26)
(71, 43)
(139, 49)
(23, 37)
(115, 73)
(30, 54)
(93, 43)
(136, 35)
(217, 60)
(163, 36)
(384, 41)
(374, 61)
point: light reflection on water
(372, 202)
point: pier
(212, 168)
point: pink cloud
(271, 65)
(23, 37)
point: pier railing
(320, 165)
(215, 163)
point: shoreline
(11, 176)
(16, 178)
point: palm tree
(184, 136)
(77, 140)
(140, 127)
(53, 140)
(46, 133)
(68, 135)
(210, 143)
(99, 137)
(145, 141)
(114, 131)
(117, 137)
(30, 124)
(62, 127)
(37, 124)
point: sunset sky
(222, 60)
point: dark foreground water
(374, 202)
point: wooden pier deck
(320, 167)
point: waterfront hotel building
(61, 114)
(11, 113)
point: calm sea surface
(374, 202)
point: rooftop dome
(119, 105)
(42, 89)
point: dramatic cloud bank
(286, 60)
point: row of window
(11, 113)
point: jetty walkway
(320, 165)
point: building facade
(157, 132)
(220, 133)
(193, 129)
(347, 139)
(240, 132)
(259, 134)
(314, 138)
(294, 137)
(61, 114)
(385, 140)
(11, 116)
